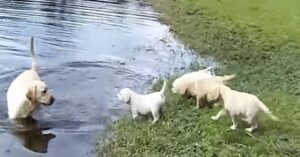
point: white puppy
(144, 104)
(190, 77)
(27, 92)
(199, 88)
(238, 104)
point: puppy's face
(178, 87)
(38, 93)
(124, 95)
(213, 95)
(174, 87)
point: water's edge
(87, 51)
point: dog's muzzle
(52, 99)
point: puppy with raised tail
(238, 104)
(199, 88)
(144, 104)
(27, 92)
(181, 81)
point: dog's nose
(52, 99)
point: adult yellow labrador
(27, 92)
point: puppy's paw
(154, 121)
(233, 127)
(214, 117)
(249, 129)
(216, 105)
(134, 116)
(196, 107)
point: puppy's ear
(213, 95)
(181, 89)
(126, 97)
(31, 94)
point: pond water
(87, 51)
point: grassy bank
(257, 39)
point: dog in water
(144, 104)
(27, 92)
(238, 104)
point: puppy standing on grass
(144, 104)
(238, 104)
(199, 88)
(181, 81)
(27, 92)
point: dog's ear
(181, 89)
(126, 97)
(213, 95)
(31, 94)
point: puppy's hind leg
(233, 126)
(156, 115)
(161, 112)
(254, 124)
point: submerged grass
(256, 39)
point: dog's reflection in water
(30, 134)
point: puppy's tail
(265, 109)
(228, 77)
(34, 65)
(211, 70)
(164, 88)
(225, 78)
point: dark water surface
(87, 51)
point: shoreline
(266, 65)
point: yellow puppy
(199, 88)
(238, 104)
(192, 76)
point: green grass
(256, 39)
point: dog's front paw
(249, 129)
(216, 105)
(233, 127)
(214, 117)
(154, 121)
(134, 116)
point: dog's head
(38, 93)
(213, 95)
(180, 87)
(175, 86)
(180, 84)
(124, 95)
